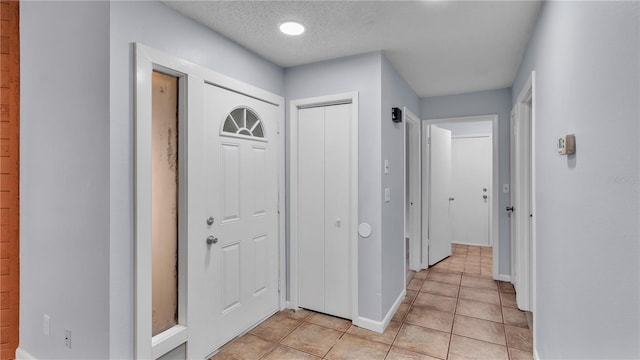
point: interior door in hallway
(241, 197)
(440, 198)
(323, 209)
(471, 180)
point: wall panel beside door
(9, 178)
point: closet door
(323, 209)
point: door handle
(484, 197)
(212, 240)
(510, 208)
(451, 199)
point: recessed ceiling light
(292, 28)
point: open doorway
(472, 197)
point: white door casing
(440, 202)
(471, 180)
(305, 211)
(523, 196)
(413, 206)
(193, 302)
(241, 194)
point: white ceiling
(439, 47)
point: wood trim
(9, 177)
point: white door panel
(323, 136)
(241, 266)
(311, 221)
(471, 175)
(337, 209)
(440, 203)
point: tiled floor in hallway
(446, 314)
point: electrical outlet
(67, 338)
(46, 324)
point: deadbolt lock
(210, 220)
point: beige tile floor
(448, 313)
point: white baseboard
(23, 355)
(380, 326)
(503, 277)
(535, 354)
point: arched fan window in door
(244, 122)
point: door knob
(212, 240)
(510, 208)
(484, 197)
(210, 220)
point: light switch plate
(46, 324)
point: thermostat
(567, 145)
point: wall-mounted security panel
(396, 114)
(567, 145)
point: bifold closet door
(323, 209)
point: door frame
(192, 81)
(294, 106)
(494, 233)
(416, 259)
(525, 149)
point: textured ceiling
(439, 47)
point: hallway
(446, 314)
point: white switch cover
(387, 195)
(46, 324)
(386, 167)
(505, 188)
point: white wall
(586, 57)
(468, 128)
(395, 93)
(483, 103)
(64, 178)
(359, 73)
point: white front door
(440, 194)
(241, 195)
(323, 208)
(471, 187)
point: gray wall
(483, 103)
(586, 58)
(154, 24)
(64, 179)
(359, 73)
(395, 93)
